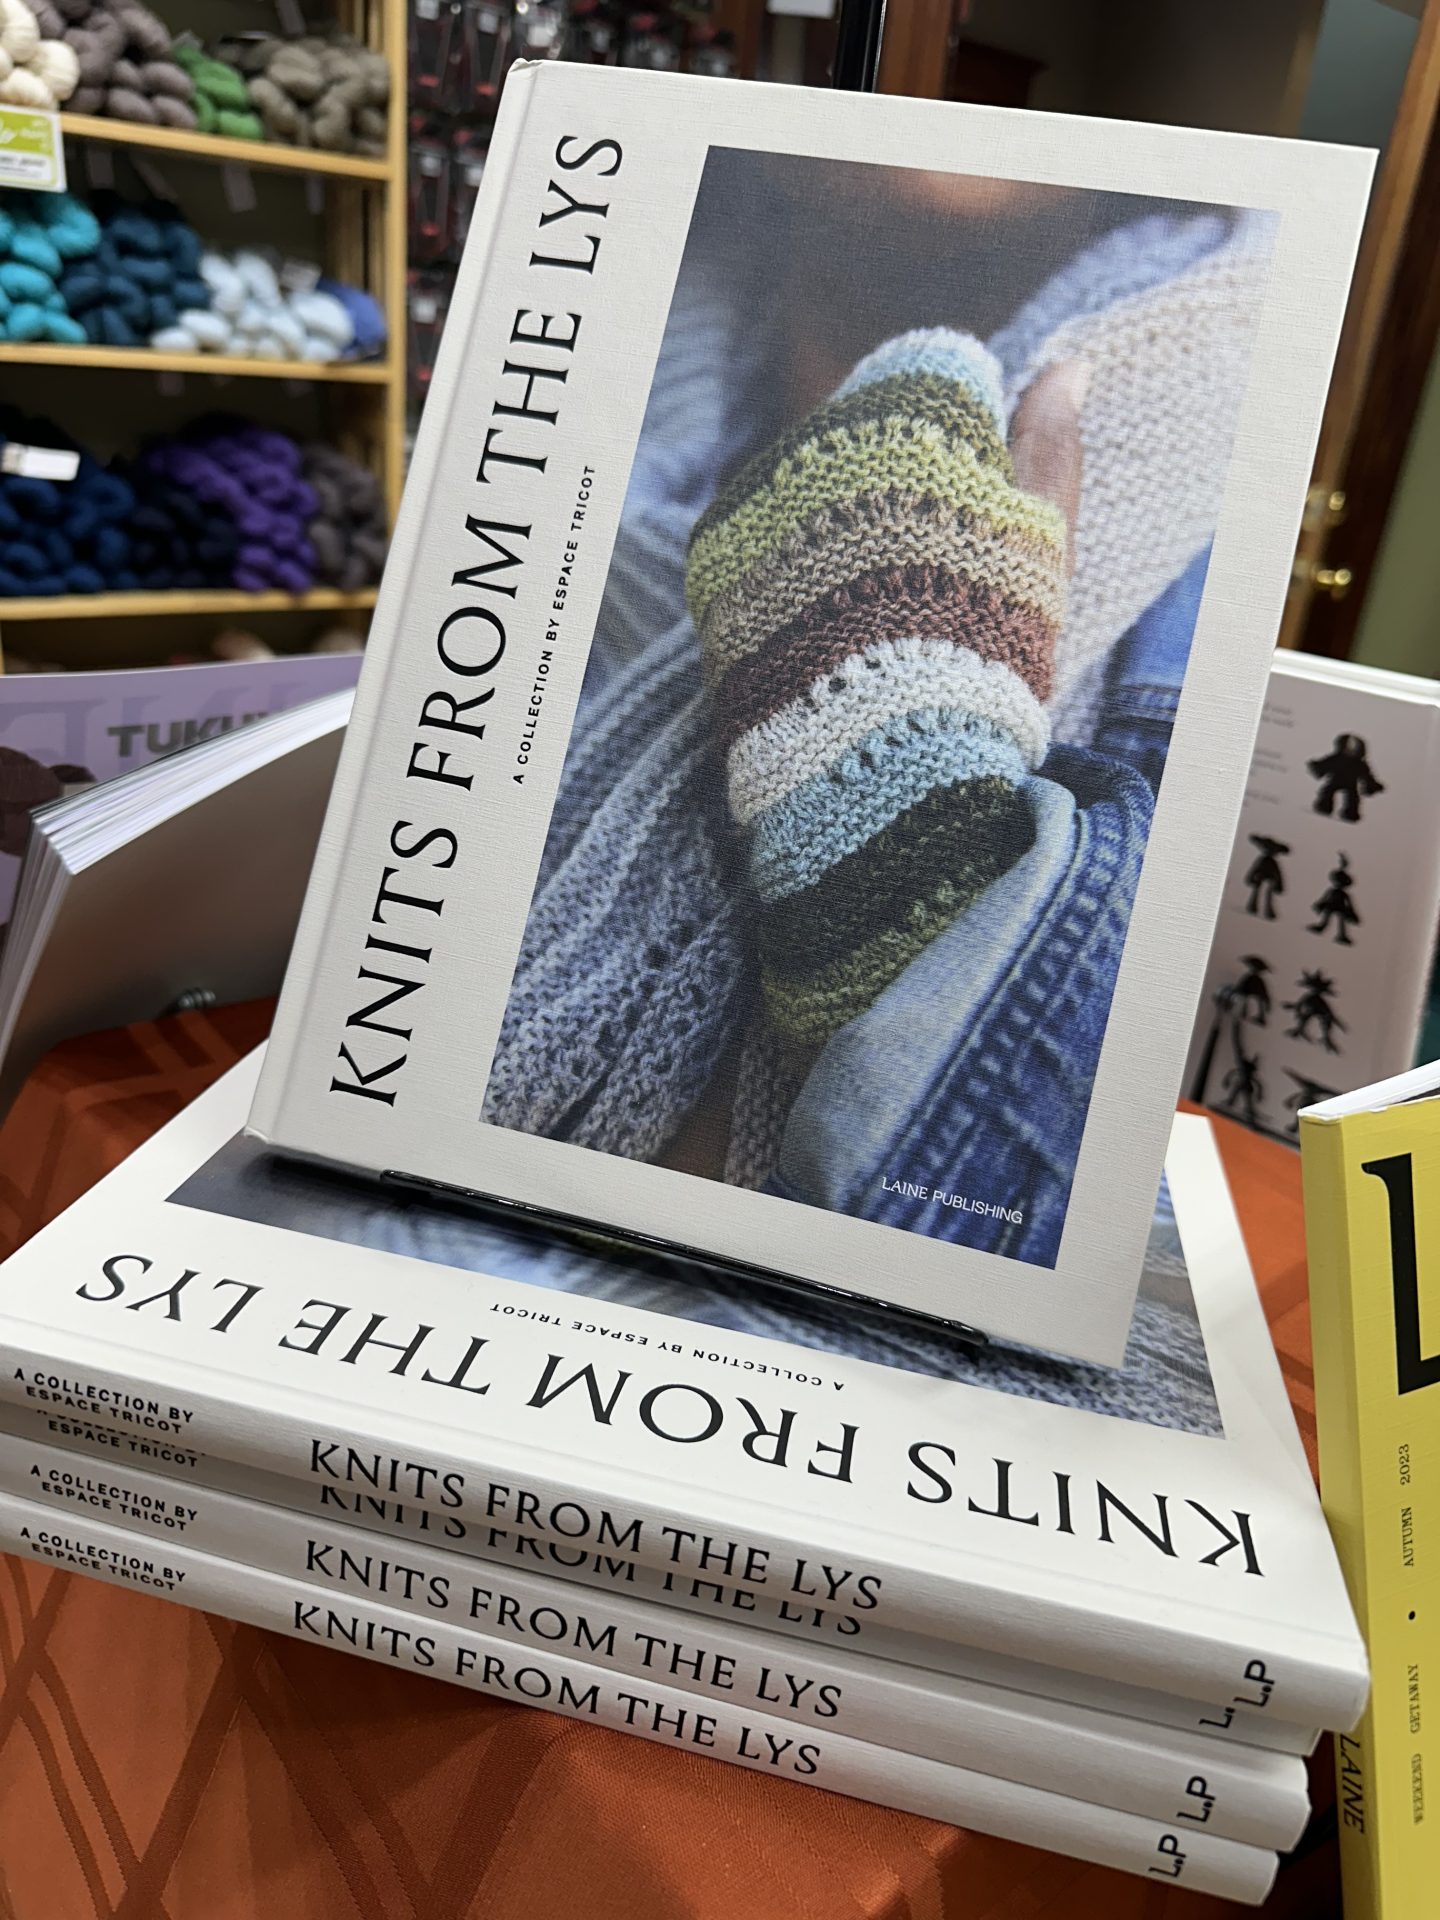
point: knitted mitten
(878, 604)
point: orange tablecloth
(157, 1764)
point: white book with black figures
(856, 1473)
(800, 742)
(1326, 937)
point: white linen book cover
(649, 1709)
(1326, 936)
(812, 687)
(1155, 1525)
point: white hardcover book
(185, 873)
(804, 721)
(99, 1452)
(1238, 1793)
(1157, 1525)
(1325, 941)
(542, 1676)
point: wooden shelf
(211, 146)
(39, 353)
(113, 606)
(364, 246)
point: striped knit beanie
(878, 605)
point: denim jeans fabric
(1146, 673)
(1165, 1380)
(978, 1063)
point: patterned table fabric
(158, 1764)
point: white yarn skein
(33, 72)
(252, 317)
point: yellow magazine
(1371, 1163)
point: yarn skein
(222, 100)
(127, 68)
(39, 234)
(254, 474)
(61, 538)
(143, 273)
(37, 68)
(180, 539)
(322, 90)
(348, 533)
(250, 315)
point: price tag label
(151, 178)
(239, 187)
(39, 463)
(299, 276)
(31, 151)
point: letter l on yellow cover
(1371, 1164)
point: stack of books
(1095, 1611)
(690, 1257)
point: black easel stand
(857, 45)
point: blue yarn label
(32, 153)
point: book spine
(579, 1690)
(608, 1573)
(1241, 1794)
(1371, 1215)
(1075, 1629)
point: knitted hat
(878, 605)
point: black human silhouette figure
(1344, 774)
(1265, 879)
(1249, 998)
(1335, 904)
(1314, 1004)
(1306, 1093)
(1242, 1087)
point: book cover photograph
(846, 846)
(807, 705)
